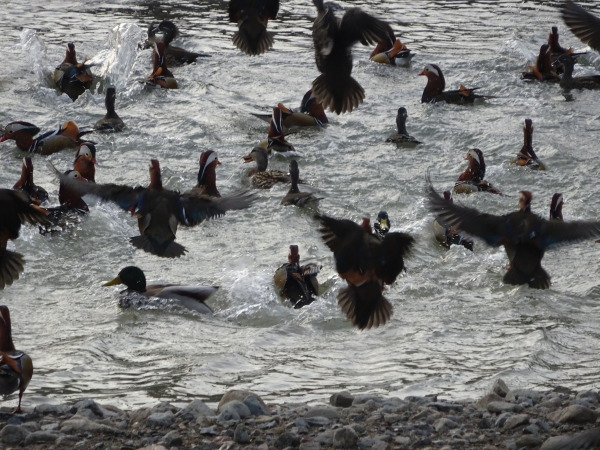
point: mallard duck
(261, 177)
(192, 297)
(333, 39)
(25, 184)
(16, 367)
(160, 211)
(367, 263)
(382, 224)
(297, 283)
(252, 17)
(472, 179)
(71, 77)
(16, 210)
(527, 157)
(525, 235)
(402, 136)
(294, 196)
(111, 120)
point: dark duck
(207, 175)
(160, 211)
(175, 56)
(36, 194)
(447, 235)
(435, 88)
(527, 156)
(71, 207)
(16, 210)
(472, 179)
(71, 77)
(556, 206)
(525, 235)
(543, 70)
(111, 120)
(333, 39)
(16, 367)
(382, 224)
(294, 196)
(295, 282)
(252, 17)
(402, 136)
(582, 24)
(367, 263)
(568, 81)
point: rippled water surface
(456, 326)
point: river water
(456, 326)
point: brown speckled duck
(261, 177)
(527, 157)
(367, 263)
(298, 283)
(472, 179)
(16, 367)
(252, 17)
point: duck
(472, 179)
(111, 121)
(36, 194)
(161, 76)
(382, 224)
(71, 77)
(333, 39)
(16, 366)
(207, 175)
(556, 205)
(192, 297)
(526, 236)
(568, 81)
(434, 89)
(553, 43)
(448, 236)
(402, 136)
(16, 210)
(21, 132)
(311, 113)
(160, 211)
(582, 24)
(85, 161)
(367, 263)
(176, 56)
(295, 282)
(71, 207)
(63, 137)
(294, 196)
(527, 157)
(543, 70)
(260, 177)
(252, 17)
(276, 141)
(391, 51)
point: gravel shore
(502, 419)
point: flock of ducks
(367, 257)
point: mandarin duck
(435, 88)
(527, 156)
(472, 179)
(176, 56)
(298, 283)
(71, 77)
(36, 194)
(161, 76)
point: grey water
(456, 327)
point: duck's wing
(357, 25)
(554, 233)
(192, 297)
(126, 197)
(582, 24)
(394, 247)
(335, 231)
(199, 208)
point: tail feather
(338, 94)
(170, 249)
(364, 305)
(11, 265)
(253, 38)
(538, 280)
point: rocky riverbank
(502, 419)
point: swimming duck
(276, 141)
(85, 161)
(111, 121)
(527, 157)
(297, 283)
(252, 17)
(71, 77)
(392, 51)
(553, 43)
(16, 367)
(65, 136)
(175, 55)
(71, 206)
(525, 235)
(335, 88)
(446, 235)
(21, 132)
(261, 177)
(294, 196)
(311, 113)
(36, 194)
(367, 263)
(160, 211)
(402, 136)
(543, 70)
(472, 179)
(16, 210)
(434, 90)
(582, 24)
(192, 297)
(382, 224)
(161, 76)
(556, 206)
(568, 81)
(207, 175)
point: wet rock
(330, 413)
(484, 401)
(41, 437)
(500, 407)
(442, 425)
(172, 438)
(574, 414)
(236, 406)
(529, 441)
(256, 406)
(344, 438)
(195, 409)
(500, 388)
(342, 399)
(240, 435)
(13, 434)
(239, 395)
(78, 424)
(515, 421)
(47, 408)
(286, 440)
(160, 419)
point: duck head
(525, 201)
(21, 132)
(435, 82)
(70, 55)
(85, 161)
(155, 176)
(556, 207)
(312, 107)
(207, 176)
(527, 152)
(382, 224)
(259, 156)
(476, 169)
(68, 196)
(131, 276)
(555, 47)
(294, 255)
